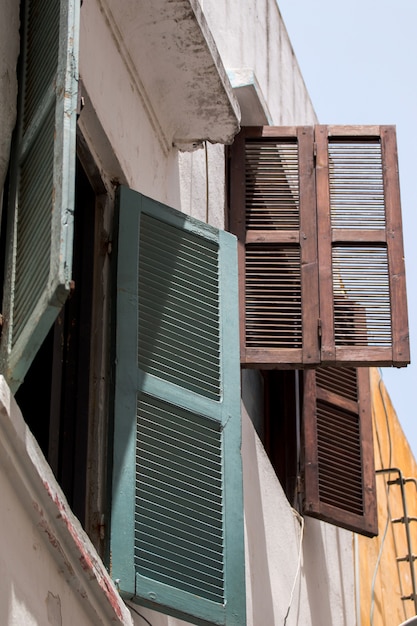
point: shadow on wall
(258, 577)
(316, 574)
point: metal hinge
(80, 98)
(315, 149)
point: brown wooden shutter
(361, 261)
(273, 214)
(339, 476)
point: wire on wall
(140, 614)
(300, 551)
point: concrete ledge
(253, 106)
(172, 52)
(41, 498)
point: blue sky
(359, 60)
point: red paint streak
(88, 563)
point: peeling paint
(89, 562)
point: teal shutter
(41, 198)
(177, 513)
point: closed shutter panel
(40, 212)
(339, 459)
(362, 276)
(273, 214)
(177, 516)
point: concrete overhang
(176, 60)
(253, 106)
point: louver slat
(41, 198)
(194, 490)
(177, 512)
(362, 277)
(178, 311)
(339, 465)
(273, 215)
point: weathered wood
(324, 245)
(308, 245)
(354, 130)
(238, 227)
(325, 239)
(401, 347)
(272, 358)
(368, 321)
(358, 236)
(345, 443)
(261, 236)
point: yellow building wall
(383, 580)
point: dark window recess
(283, 396)
(54, 397)
(318, 435)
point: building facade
(168, 348)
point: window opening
(54, 397)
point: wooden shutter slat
(42, 183)
(273, 215)
(339, 471)
(362, 279)
(268, 237)
(370, 236)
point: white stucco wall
(50, 572)
(127, 144)
(324, 589)
(249, 33)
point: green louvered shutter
(177, 514)
(41, 205)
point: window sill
(49, 512)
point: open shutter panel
(339, 476)
(41, 198)
(362, 276)
(273, 214)
(177, 513)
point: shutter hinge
(319, 332)
(102, 528)
(315, 149)
(80, 98)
